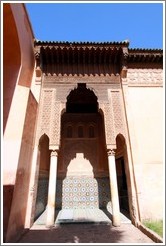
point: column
(114, 188)
(29, 220)
(52, 190)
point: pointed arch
(44, 166)
(11, 59)
(43, 139)
(123, 176)
(81, 100)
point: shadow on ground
(85, 233)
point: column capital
(111, 152)
(54, 152)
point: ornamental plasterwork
(49, 117)
(145, 77)
(53, 101)
(116, 103)
(55, 123)
(109, 124)
(80, 79)
(64, 89)
(44, 114)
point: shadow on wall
(7, 200)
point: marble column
(113, 188)
(52, 189)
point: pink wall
(18, 72)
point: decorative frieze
(145, 77)
(65, 86)
(51, 80)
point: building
(83, 128)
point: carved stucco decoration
(53, 101)
(53, 79)
(44, 120)
(55, 123)
(109, 126)
(115, 98)
(49, 117)
(145, 77)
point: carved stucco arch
(58, 107)
(105, 110)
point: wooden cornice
(80, 58)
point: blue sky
(140, 23)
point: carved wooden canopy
(75, 58)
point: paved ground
(85, 233)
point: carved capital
(111, 152)
(54, 153)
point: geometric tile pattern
(82, 192)
(104, 191)
(79, 193)
(75, 192)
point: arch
(83, 157)
(43, 139)
(11, 60)
(69, 131)
(81, 100)
(123, 179)
(63, 111)
(80, 129)
(44, 166)
(91, 131)
(120, 142)
(44, 154)
(92, 89)
(11, 68)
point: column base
(116, 222)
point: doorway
(82, 164)
(121, 163)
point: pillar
(52, 190)
(33, 188)
(113, 188)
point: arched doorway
(83, 179)
(43, 178)
(121, 169)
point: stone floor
(84, 226)
(81, 216)
(89, 233)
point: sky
(140, 23)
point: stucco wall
(20, 120)
(23, 171)
(145, 123)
